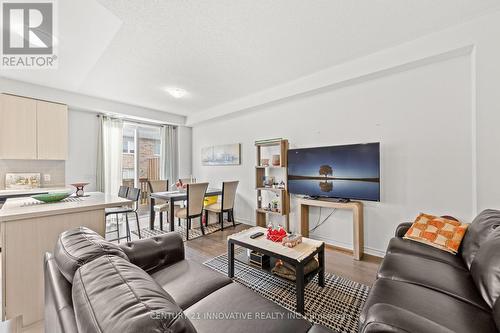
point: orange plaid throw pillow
(438, 232)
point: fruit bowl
(51, 197)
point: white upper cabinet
(17, 127)
(52, 130)
(32, 129)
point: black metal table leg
(300, 284)
(321, 272)
(151, 212)
(171, 213)
(230, 254)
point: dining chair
(226, 205)
(132, 194)
(194, 206)
(161, 206)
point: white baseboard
(245, 221)
(345, 245)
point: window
(128, 144)
(141, 153)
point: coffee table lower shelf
(243, 258)
(301, 279)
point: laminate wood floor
(336, 261)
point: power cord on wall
(318, 223)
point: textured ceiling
(221, 50)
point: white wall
(447, 81)
(82, 156)
(421, 116)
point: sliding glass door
(141, 154)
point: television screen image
(348, 171)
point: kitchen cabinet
(52, 131)
(17, 127)
(32, 129)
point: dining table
(171, 197)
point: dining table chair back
(195, 199)
(229, 194)
(157, 186)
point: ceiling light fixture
(176, 92)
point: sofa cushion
(485, 268)
(111, 295)
(479, 230)
(438, 232)
(437, 307)
(76, 247)
(382, 317)
(432, 274)
(244, 306)
(399, 245)
(188, 282)
(154, 253)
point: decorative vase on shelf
(276, 160)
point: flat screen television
(344, 172)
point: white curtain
(100, 157)
(109, 159)
(169, 154)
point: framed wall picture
(229, 154)
(22, 181)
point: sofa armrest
(153, 253)
(59, 316)
(402, 228)
(383, 317)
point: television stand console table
(357, 219)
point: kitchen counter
(29, 229)
(33, 191)
(26, 207)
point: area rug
(194, 233)
(336, 306)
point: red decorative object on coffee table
(276, 234)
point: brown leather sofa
(423, 289)
(147, 285)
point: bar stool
(132, 194)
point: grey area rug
(194, 233)
(336, 306)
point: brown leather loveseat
(423, 289)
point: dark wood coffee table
(297, 256)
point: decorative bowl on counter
(51, 197)
(79, 192)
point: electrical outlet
(46, 177)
